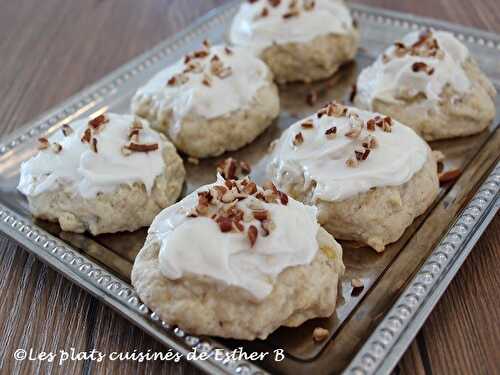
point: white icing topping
(80, 169)
(251, 29)
(223, 95)
(398, 156)
(197, 246)
(396, 78)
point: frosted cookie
(300, 40)
(236, 260)
(214, 100)
(368, 175)
(110, 174)
(429, 82)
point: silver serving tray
(394, 332)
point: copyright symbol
(20, 355)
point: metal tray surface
(451, 227)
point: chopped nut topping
(252, 234)
(298, 139)
(283, 198)
(291, 14)
(370, 125)
(220, 204)
(425, 46)
(386, 124)
(232, 169)
(67, 130)
(265, 12)
(193, 67)
(133, 135)
(206, 44)
(274, 3)
(56, 147)
(357, 283)
(200, 54)
(357, 286)
(87, 134)
(260, 215)
(225, 224)
(449, 176)
(218, 69)
(43, 143)
(307, 124)
(370, 142)
(320, 334)
(228, 51)
(98, 122)
(362, 154)
(422, 67)
(178, 80)
(142, 147)
(351, 162)
(250, 188)
(312, 98)
(94, 145)
(333, 109)
(331, 132)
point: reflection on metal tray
(370, 330)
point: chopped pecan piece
(448, 176)
(422, 67)
(133, 135)
(307, 124)
(93, 145)
(87, 135)
(252, 234)
(97, 122)
(260, 215)
(320, 334)
(370, 125)
(362, 154)
(298, 139)
(225, 224)
(43, 143)
(331, 132)
(291, 14)
(250, 188)
(56, 147)
(142, 147)
(67, 130)
(357, 286)
(283, 198)
(200, 54)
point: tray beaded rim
(388, 341)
